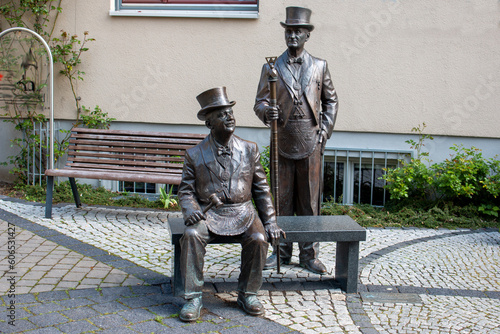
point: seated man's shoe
(272, 262)
(191, 310)
(250, 304)
(314, 265)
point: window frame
(245, 9)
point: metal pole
(51, 84)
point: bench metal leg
(346, 265)
(74, 189)
(48, 198)
(177, 286)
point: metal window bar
(335, 178)
(360, 176)
(35, 170)
(372, 179)
(385, 182)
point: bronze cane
(273, 78)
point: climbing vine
(23, 82)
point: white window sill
(186, 13)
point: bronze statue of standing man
(306, 111)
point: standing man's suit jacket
(203, 176)
(315, 82)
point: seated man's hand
(274, 232)
(194, 218)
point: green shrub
(465, 175)
(426, 214)
(412, 179)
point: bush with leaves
(465, 178)
(413, 179)
(467, 175)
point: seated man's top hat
(298, 17)
(212, 99)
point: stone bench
(341, 229)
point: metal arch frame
(51, 84)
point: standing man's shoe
(250, 304)
(272, 262)
(191, 310)
(314, 265)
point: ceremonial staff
(273, 78)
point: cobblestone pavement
(102, 269)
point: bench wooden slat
(121, 162)
(125, 168)
(135, 139)
(141, 133)
(77, 149)
(116, 156)
(117, 176)
(130, 144)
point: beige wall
(394, 64)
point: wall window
(352, 175)
(186, 8)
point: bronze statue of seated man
(229, 167)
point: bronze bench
(342, 229)
(135, 156)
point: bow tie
(292, 60)
(223, 150)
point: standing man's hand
(272, 113)
(323, 138)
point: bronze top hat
(298, 17)
(212, 99)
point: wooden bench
(135, 156)
(342, 229)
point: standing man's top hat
(298, 17)
(212, 99)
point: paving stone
(146, 289)
(136, 302)
(149, 327)
(20, 325)
(138, 315)
(83, 293)
(118, 330)
(49, 319)
(46, 308)
(76, 302)
(76, 327)
(164, 310)
(109, 307)
(109, 321)
(124, 291)
(48, 330)
(80, 313)
(25, 299)
(52, 295)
